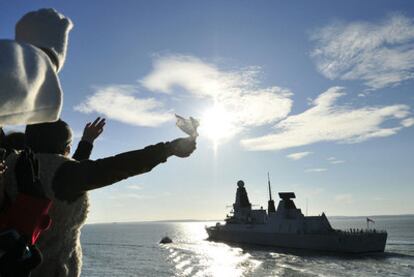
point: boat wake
(210, 259)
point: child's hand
(182, 147)
(93, 130)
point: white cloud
(344, 198)
(120, 102)
(118, 196)
(135, 187)
(408, 122)
(298, 155)
(236, 92)
(315, 170)
(234, 100)
(380, 54)
(334, 160)
(326, 121)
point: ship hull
(341, 242)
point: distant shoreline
(218, 220)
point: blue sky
(318, 93)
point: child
(66, 182)
(23, 220)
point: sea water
(133, 249)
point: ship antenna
(306, 206)
(270, 203)
(270, 190)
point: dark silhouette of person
(14, 140)
(23, 220)
(66, 182)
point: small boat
(165, 240)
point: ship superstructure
(287, 227)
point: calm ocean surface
(132, 249)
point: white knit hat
(48, 29)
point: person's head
(46, 29)
(52, 137)
(14, 140)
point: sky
(317, 93)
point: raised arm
(91, 132)
(74, 178)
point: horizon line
(218, 220)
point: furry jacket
(60, 244)
(66, 183)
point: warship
(287, 227)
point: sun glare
(217, 125)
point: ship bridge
(242, 208)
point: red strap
(28, 215)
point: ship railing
(356, 231)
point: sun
(217, 124)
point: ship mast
(270, 203)
(270, 189)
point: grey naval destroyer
(287, 227)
